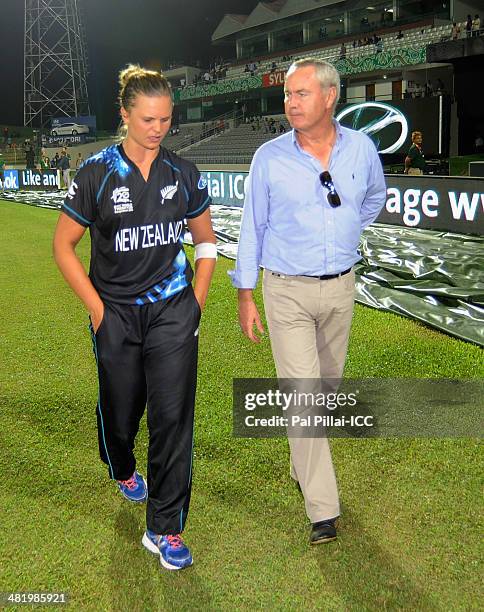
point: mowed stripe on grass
(410, 530)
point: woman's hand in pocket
(97, 317)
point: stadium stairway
(234, 146)
(187, 135)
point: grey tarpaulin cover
(434, 277)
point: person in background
(479, 143)
(79, 161)
(2, 173)
(476, 25)
(29, 155)
(54, 161)
(66, 151)
(415, 160)
(468, 26)
(439, 87)
(64, 166)
(455, 32)
(44, 163)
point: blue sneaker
(174, 554)
(134, 488)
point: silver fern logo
(168, 192)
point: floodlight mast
(55, 61)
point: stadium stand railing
(413, 38)
(191, 134)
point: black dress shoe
(323, 531)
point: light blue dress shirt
(288, 225)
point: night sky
(149, 32)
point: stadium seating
(236, 146)
(239, 144)
(413, 38)
(13, 155)
(187, 135)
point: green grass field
(410, 532)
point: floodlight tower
(55, 61)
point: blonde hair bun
(135, 80)
(130, 72)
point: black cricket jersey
(137, 226)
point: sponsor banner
(390, 124)
(10, 180)
(68, 140)
(34, 179)
(16, 180)
(453, 204)
(89, 120)
(273, 79)
(448, 203)
(226, 187)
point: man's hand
(249, 315)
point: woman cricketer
(144, 312)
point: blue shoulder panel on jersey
(103, 184)
(113, 160)
(76, 214)
(171, 165)
(194, 213)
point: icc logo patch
(122, 200)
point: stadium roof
(266, 12)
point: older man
(310, 193)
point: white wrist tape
(205, 250)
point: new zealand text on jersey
(148, 236)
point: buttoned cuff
(244, 280)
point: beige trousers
(66, 177)
(309, 324)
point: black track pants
(147, 355)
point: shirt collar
(339, 135)
(124, 155)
